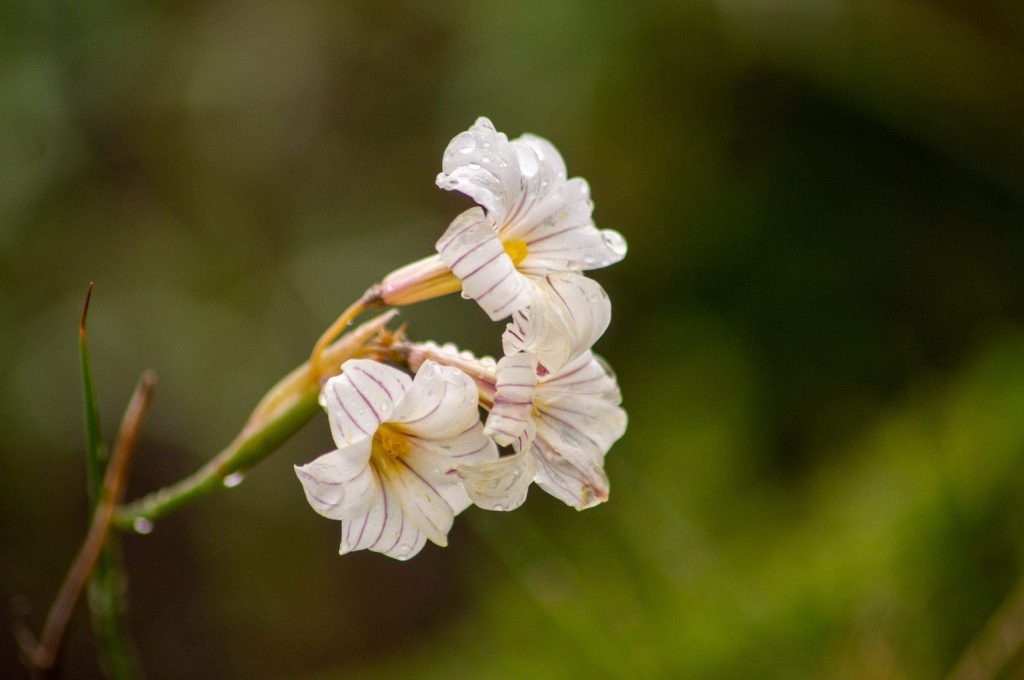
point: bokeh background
(819, 329)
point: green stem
(107, 583)
(95, 449)
(283, 411)
(106, 595)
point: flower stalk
(370, 299)
(43, 655)
(283, 411)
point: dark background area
(818, 329)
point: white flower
(560, 425)
(567, 314)
(533, 240)
(391, 481)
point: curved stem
(287, 407)
(371, 298)
(44, 654)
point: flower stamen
(516, 250)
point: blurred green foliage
(818, 330)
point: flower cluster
(412, 451)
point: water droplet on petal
(142, 525)
(499, 506)
(233, 480)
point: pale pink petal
(549, 160)
(566, 316)
(500, 484)
(340, 484)
(578, 425)
(363, 396)
(384, 529)
(441, 403)
(484, 165)
(472, 250)
(436, 462)
(421, 502)
(581, 482)
(523, 186)
(571, 248)
(588, 374)
(513, 398)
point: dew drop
(142, 526)
(233, 480)
(499, 506)
(384, 406)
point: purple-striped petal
(580, 482)
(421, 502)
(361, 398)
(441, 403)
(512, 411)
(436, 461)
(384, 529)
(472, 250)
(340, 484)
(500, 484)
(586, 375)
(484, 165)
(566, 316)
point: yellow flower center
(388, 444)
(516, 250)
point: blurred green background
(819, 330)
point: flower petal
(359, 399)
(544, 154)
(580, 482)
(573, 425)
(560, 235)
(436, 462)
(484, 165)
(513, 399)
(384, 528)
(566, 316)
(588, 374)
(340, 484)
(421, 501)
(472, 250)
(500, 484)
(441, 403)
